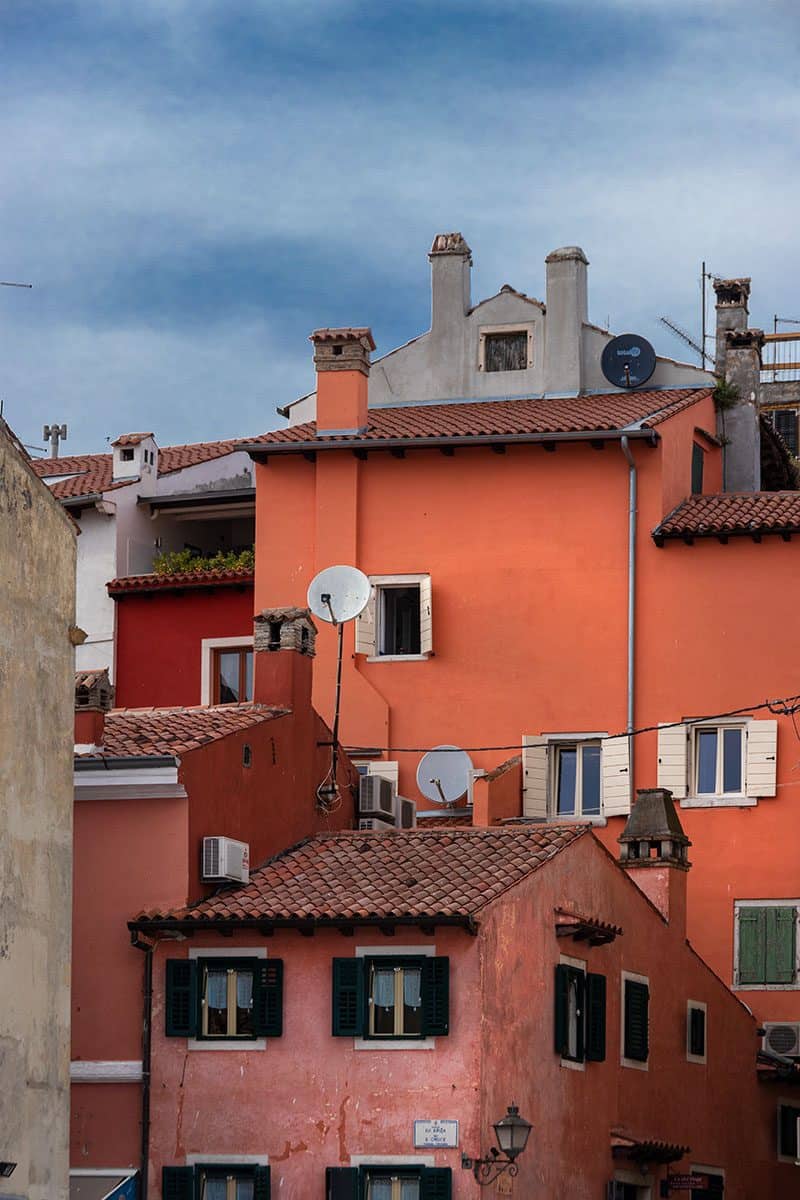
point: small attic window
(126, 454)
(506, 348)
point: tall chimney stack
(567, 311)
(732, 313)
(739, 421)
(284, 648)
(341, 357)
(451, 261)
(653, 849)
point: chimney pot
(284, 646)
(654, 849)
(94, 697)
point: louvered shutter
(341, 1183)
(637, 1003)
(595, 1017)
(762, 746)
(268, 997)
(673, 759)
(780, 942)
(534, 777)
(177, 1183)
(180, 1004)
(616, 768)
(425, 616)
(436, 1183)
(261, 1184)
(365, 627)
(435, 997)
(561, 1013)
(752, 945)
(348, 997)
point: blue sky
(194, 185)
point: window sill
(719, 802)
(700, 1059)
(562, 820)
(766, 987)
(635, 1064)
(572, 1064)
(394, 1043)
(240, 1044)
(376, 658)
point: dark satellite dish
(628, 360)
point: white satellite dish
(443, 774)
(338, 594)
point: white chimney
(451, 262)
(567, 311)
(136, 457)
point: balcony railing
(780, 359)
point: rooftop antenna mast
(54, 434)
(684, 336)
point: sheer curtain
(380, 1189)
(244, 994)
(215, 1189)
(217, 997)
(412, 990)
(383, 990)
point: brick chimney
(94, 697)
(653, 849)
(732, 313)
(567, 311)
(284, 641)
(739, 423)
(451, 264)
(341, 357)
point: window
(766, 945)
(386, 997)
(785, 422)
(233, 675)
(576, 782)
(233, 999)
(580, 1014)
(789, 1131)
(505, 348)
(216, 1181)
(397, 620)
(714, 1183)
(388, 1183)
(575, 776)
(718, 760)
(635, 1020)
(706, 765)
(126, 455)
(696, 1031)
(698, 461)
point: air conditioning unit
(223, 858)
(782, 1037)
(406, 813)
(376, 797)
(376, 824)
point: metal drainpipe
(632, 499)
(147, 1013)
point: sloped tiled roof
(133, 732)
(732, 514)
(93, 473)
(415, 874)
(243, 576)
(606, 412)
(131, 439)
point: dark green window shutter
(698, 459)
(637, 1003)
(177, 1183)
(561, 1008)
(752, 945)
(595, 1017)
(435, 997)
(341, 1183)
(268, 997)
(436, 1183)
(261, 1184)
(697, 1032)
(181, 999)
(787, 1143)
(348, 997)
(780, 939)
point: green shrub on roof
(180, 562)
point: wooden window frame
(234, 1172)
(399, 965)
(555, 748)
(242, 650)
(397, 1175)
(234, 967)
(526, 327)
(719, 728)
(420, 580)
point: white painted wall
(97, 563)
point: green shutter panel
(180, 1005)
(435, 997)
(261, 1184)
(268, 997)
(780, 943)
(637, 1002)
(341, 1183)
(437, 1183)
(177, 1183)
(697, 1032)
(595, 1017)
(348, 997)
(752, 945)
(561, 1008)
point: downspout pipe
(632, 502)
(147, 1014)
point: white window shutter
(762, 747)
(616, 765)
(387, 770)
(534, 777)
(365, 628)
(425, 616)
(673, 759)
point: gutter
(266, 925)
(631, 683)
(147, 1029)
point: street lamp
(511, 1133)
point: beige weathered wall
(37, 590)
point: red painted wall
(159, 635)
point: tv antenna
(337, 595)
(443, 774)
(684, 336)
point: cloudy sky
(194, 185)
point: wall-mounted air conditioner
(782, 1037)
(406, 813)
(376, 797)
(376, 824)
(223, 858)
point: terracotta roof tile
(732, 513)
(131, 439)
(413, 874)
(133, 732)
(94, 472)
(241, 576)
(497, 418)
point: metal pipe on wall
(632, 502)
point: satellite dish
(443, 774)
(338, 594)
(628, 361)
